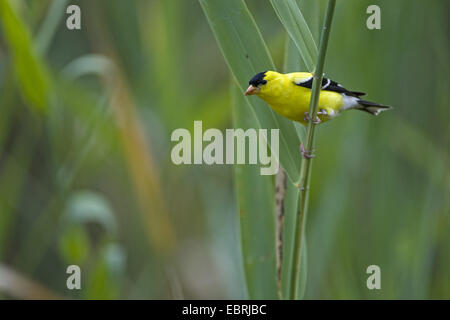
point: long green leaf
(292, 61)
(311, 11)
(49, 27)
(246, 54)
(292, 19)
(30, 73)
(13, 179)
(255, 195)
(305, 174)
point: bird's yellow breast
(292, 101)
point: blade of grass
(49, 26)
(28, 68)
(84, 108)
(136, 150)
(13, 179)
(7, 94)
(305, 172)
(292, 19)
(165, 53)
(292, 61)
(256, 214)
(312, 13)
(142, 168)
(246, 53)
(289, 223)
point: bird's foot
(305, 153)
(308, 118)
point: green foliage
(292, 19)
(29, 70)
(246, 54)
(305, 170)
(380, 185)
(292, 61)
(74, 245)
(233, 24)
(255, 194)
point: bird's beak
(251, 90)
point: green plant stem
(305, 170)
(50, 25)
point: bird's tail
(371, 107)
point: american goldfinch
(289, 95)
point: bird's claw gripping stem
(306, 154)
(308, 118)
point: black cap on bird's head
(258, 79)
(255, 82)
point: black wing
(328, 85)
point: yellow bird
(289, 95)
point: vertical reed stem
(305, 170)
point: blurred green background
(86, 176)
